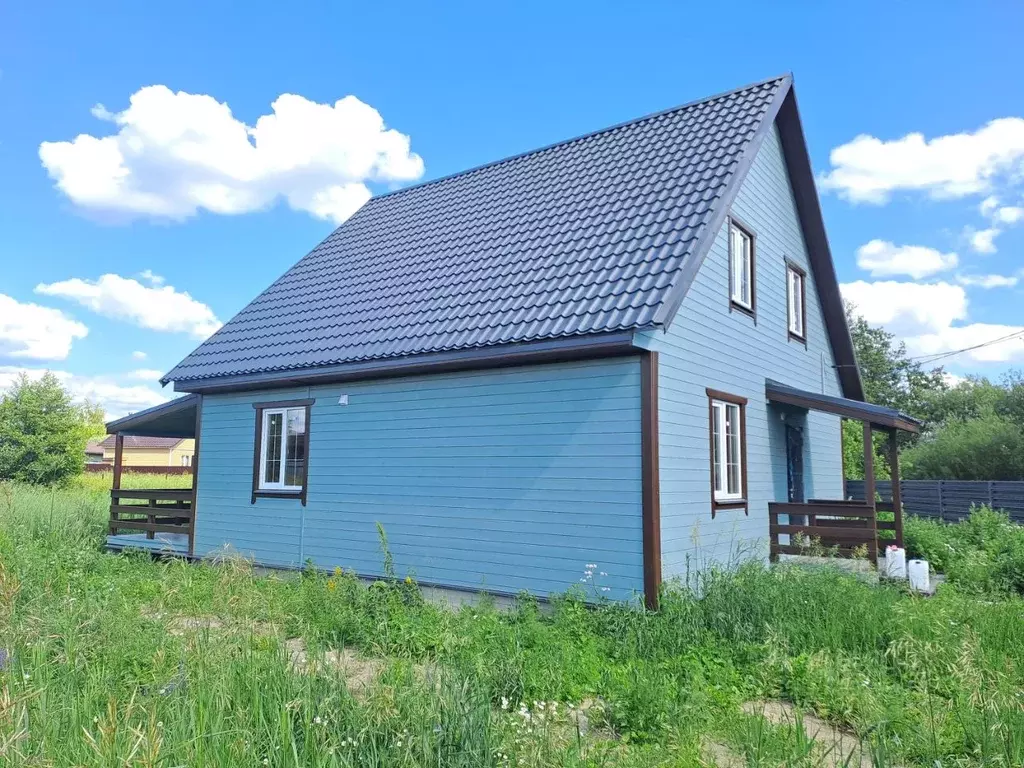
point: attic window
(797, 301)
(281, 455)
(741, 267)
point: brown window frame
(725, 397)
(257, 492)
(733, 304)
(792, 267)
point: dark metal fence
(949, 500)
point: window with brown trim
(796, 302)
(741, 267)
(280, 465)
(727, 435)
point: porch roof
(876, 415)
(175, 418)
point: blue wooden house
(610, 359)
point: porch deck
(164, 543)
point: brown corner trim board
(651, 484)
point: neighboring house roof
(133, 441)
(592, 236)
(93, 447)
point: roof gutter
(586, 347)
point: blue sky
(927, 233)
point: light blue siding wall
(709, 346)
(502, 480)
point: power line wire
(943, 355)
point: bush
(984, 553)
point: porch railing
(151, 510)
(840, 526)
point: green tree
(42, 432)
(891, 378)
(989, 447)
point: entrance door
(795, 463)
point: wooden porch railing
(151, 510)
(842, 526)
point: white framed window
(186, 460)
(728, 450)
(741, 267)
(283, 448)
(795, 290)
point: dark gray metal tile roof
(582, 237)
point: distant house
(151, 451)
(605, 362)
(93, 452)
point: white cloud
(988, 281)
(868, 169)
(952, 380)
(923, 316)
(1009, 214)
(139, 355)
(175, 154)
(32, 331)
(160, 308)
(152, 278)
(146, 374)
(116, 399)
(908, 309)
(983, 240)
(988, 205)
(884, 259)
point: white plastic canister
(895, 563)
(918, 572)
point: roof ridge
(580, 137)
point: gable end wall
(708, 345)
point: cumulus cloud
(884, 259)
(36, 332)
(176, 153)
(116, 399)
(926, 317)
(146, 374)
(159, 308)
(139, 355)
(870, 170)
(151, 277)
(983, 240)
(988, 281)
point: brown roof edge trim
(688, 272)
(498, 356)
(805, 195)
(650, 479)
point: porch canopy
(876, 415)
(843, 523)
(160, 520)
(175, 418)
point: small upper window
(283, 449)
(186, 460)
(797, 302)
(741, 267)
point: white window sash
(723, 491)
(796, 305)
(275, 485)
(741, 248)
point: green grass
(101, 482)
(100, 671)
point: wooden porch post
(195, 476)
(869, 487)
(118, 448)
(115, 484)
(897, 495)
